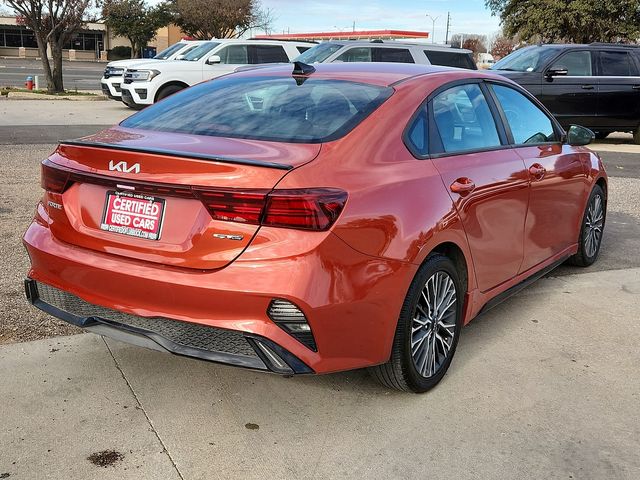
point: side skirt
(501, 297)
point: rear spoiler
(176, 153)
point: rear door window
(577, 64)
(416, 136)
(617, 64)
(464, 120)
(528, 124)
(398, 55)
(450, 59)
(267, 54)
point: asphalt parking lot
(77, 75)
(545, 385)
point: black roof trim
(176, 153)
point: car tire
(406, 370)
(636, 136)
(168, 91)
(601, 135)
(591, 229)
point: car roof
(374, 73)
(560, 46)
(395, 43)
(252, 40)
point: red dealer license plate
(133, 214)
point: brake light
(312, 209)
(54, 179)
(307, 209)
(233, 206)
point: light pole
(433, 26)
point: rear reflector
(293, 321)
(306, 209)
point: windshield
(167, 52)
(319, 53)
(200, 51)
(528, 59)
(265, 108)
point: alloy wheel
(593, 226)
(434, 323)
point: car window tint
(357, 54)
(577, 64)
(528, 124)
(267, 54)
(464, 120)
(399, 55)
(234, 54)
(417, 134)
(449, 59)
(616, 64)
(302, 49)
(265, 108)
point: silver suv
(390, 51)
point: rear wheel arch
(457, 256)
(602, 183)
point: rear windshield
(450, 59)
(167, 52)
(265, 108)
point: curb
(41, 96)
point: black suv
(595, 85)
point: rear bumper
(351, 300)
(181, 338)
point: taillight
(54, 179)
(306, 209)
(312, 209)
(233, 206)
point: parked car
(316, 220)
(392, 51)
(595, 85)
(146, 85)
(112, 78)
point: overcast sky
(467, 16)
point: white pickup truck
(112, 77)
(146, 84)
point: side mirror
(577, 136)
(213, 59)
(557, 72)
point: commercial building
(349, 35)
(91, 43)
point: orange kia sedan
(310, 219)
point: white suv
(112, 77)
(388, 51)
(146, 84)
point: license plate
(133, 214)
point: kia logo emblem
(124, 167)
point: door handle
(462, 186)
(587, 87)
(537, 171)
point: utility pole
(446, 38)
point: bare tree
(53, 23)
(502, 46)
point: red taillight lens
(312, 209)
(54, 179)
(233, 206)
